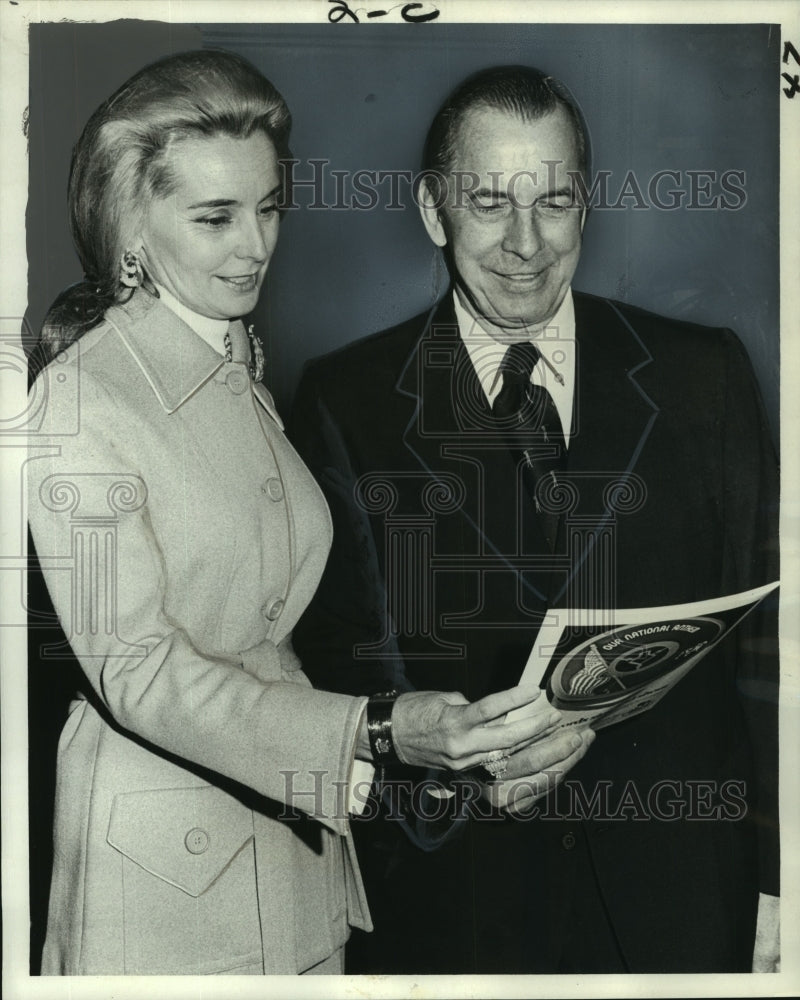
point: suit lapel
(451, 432)
(449, 435)
(612, 420)
(612, 415)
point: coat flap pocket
(185, 836)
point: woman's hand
(443, 729)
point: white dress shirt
(555, 341)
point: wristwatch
(379, 727)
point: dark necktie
(529, 420)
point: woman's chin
(236, 300)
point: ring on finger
(496, 764)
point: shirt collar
(555, 341)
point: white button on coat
(272, 609)
(274, 489)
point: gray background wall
(679, 97)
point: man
(645, 478)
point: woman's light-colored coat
(181, 537)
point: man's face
(514, 235)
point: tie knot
(518, 401)
(519, 361)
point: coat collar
(174, 360)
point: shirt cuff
(361, 775)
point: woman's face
(210, 241)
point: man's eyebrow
(485, 192)
(557, 192)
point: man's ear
(431, 216)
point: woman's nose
(254, 242)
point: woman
(203, 787)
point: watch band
(379, 728)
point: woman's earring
(130, 270)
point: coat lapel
(612, 420)
(449, 433)
(612, 415)
(174, 360)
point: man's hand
(767, 950)
(535, 771)
(444, 730)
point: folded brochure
(598, 667)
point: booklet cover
(598, 667)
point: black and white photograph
(399, 498)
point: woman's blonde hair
(119, 165)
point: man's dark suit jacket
(438, 578)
